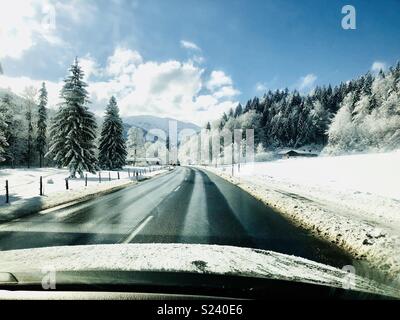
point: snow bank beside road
(24, 188)
(353, 201)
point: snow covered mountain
(146, 123)
(152, 122)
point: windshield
(267, 125)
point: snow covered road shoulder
(24, 188)
(352, 201)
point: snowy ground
(353, 201)
(24, 187)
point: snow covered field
(24, 186)
(353, 201)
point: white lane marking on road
(137, 230)
(62, 206)
(177, 188)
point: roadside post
(41, 186)
(109, 176)
(118, 174)
(66, 184)
(86, 180)
(129, 173)
(7, 196)
(99, 177)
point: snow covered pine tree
(73, 131)
(112, 148)
(41, 124)
(3, 140)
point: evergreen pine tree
(112, 149)
(29, 151)
(167, 147)
(42, 124)
(29, 94)
(74, 127)
(238, 110)
(3, 140)
(136, 144)
(15, 144)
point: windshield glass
(268, 125)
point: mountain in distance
(146, 123)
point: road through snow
(187, 205)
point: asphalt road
(186, 205)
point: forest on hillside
(357, 116)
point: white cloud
(197, 59)
(307, 82)
(82, 12)
(377, 66)
(165, 88)
(169, 89)
(190, 45)
(218, 79)
(23, 23)
(226, 92)
(123, 61)
(89, 66)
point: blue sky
(193, 59)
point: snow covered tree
(369, 118)
(238, 110)
(112, 148)
(3, 140)
(342, 131)
(360, 115)
(223, 120)
(135, 144)
(29, 95)
(320, 121)
(260, 149)
(14, 120)
(168, 149)
(41, 124)
(73, 131)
